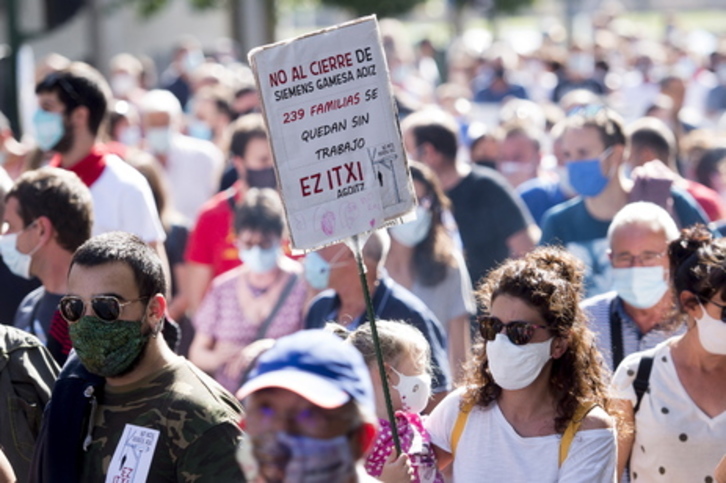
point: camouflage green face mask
(108, 349)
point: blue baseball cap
(317, 366)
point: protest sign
(334, 133)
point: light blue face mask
(641, 287)
(585, 176)
(260, 260)
(49, 129)
(200, 129)
(317, 271)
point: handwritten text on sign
(335, 139)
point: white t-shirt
(193, 168)
(489, 449)
(122, 201)
(674, 439)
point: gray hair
(377, 246)
(160, 100)
(647, 214)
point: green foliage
(382, 8)
(495, 7)
(147, 8)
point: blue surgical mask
(414, 232)
(317, 271)
(49, 128)
(200, 129)
(585, 176)
(641, 287)
(260, 260)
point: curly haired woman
(535, 403)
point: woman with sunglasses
(680, 421)
(535, 403)
(424, 259)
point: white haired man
(636, 315)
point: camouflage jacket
(177, 425)
(27, 374)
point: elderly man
(637, 315)
(128, 407)
(335, 267)
(310, 412)
(192, 166)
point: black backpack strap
(616, 334)
(641, 382)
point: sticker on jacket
(132, 459)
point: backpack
(565, 442)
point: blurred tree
(382, 8)
(489, 8)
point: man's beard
(65, 143)
(142, 353)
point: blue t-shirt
(540, 195)
(570, 224)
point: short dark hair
(122, 247)
(59, 195)
(79, 85)
(608, 123)
(436, 128)
(243, 130)
(652, 133)
(262, 211)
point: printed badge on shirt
(132, 459)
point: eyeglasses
(107, 307)
(722, 307)
(645, 259)
(518, 331)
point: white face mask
(17, 262)
(414, 232)
(122, 84)
(516, 366)
(415, 391)
(130, 136)
(711, 333)
(281, 457)
(259, 259)
(159, 139)
(641, 287)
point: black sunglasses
(518, 331)
(107, 307)
(722, 307)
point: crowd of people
(556, 311)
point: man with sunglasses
(48, 215)
(638, 314)
(125, 406)
(72, 106)
(594, 151)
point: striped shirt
(597, 311)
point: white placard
(134, 453)
(334, 133)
